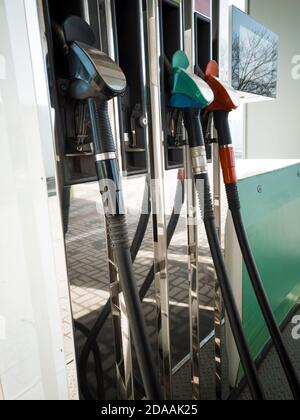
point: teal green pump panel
(271, 213)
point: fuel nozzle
(225, 97)
(191, 94)
(189, 90)
(226, 100)
(94, 74)
(95, 79)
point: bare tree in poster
(254, 62)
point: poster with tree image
(254, 56)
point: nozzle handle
(101, 127)
(107, 165)
(221, 121)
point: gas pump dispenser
(131, 95)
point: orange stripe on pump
(227, 158)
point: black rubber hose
(108, 173)
(228, 297)
(224, 136)
(143, 223)
(98, 363)
(290, 372)
(196, 139)
(100, 322)
(117, 230)
(105, 312)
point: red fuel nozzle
(226, 98)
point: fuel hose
(110, 186)
(227, 158)
(198, 153)
(136, 244)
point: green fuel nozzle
(189, 90)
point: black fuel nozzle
(93, 73)
(96, 78)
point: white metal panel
(32, 355)
(38, 49)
